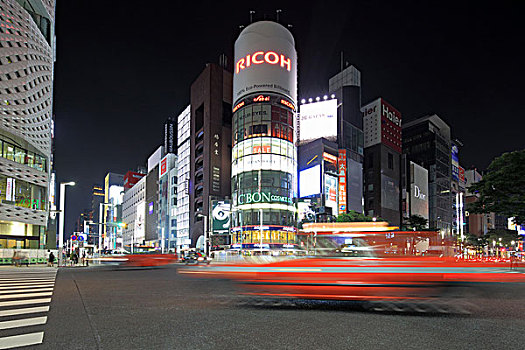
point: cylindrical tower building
(264, 165)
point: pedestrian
(16, 258)
(74, 259)
(51, 259)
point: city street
(101, 308)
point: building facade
(183, 179)
(346, 86)
(382, 154)
(209, 145)
(27, 42)
(168, 202)
(426, 141)
(318, 177)
(112, 211)
(264, 165)
(133, 215)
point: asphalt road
(95, 308)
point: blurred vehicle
(148, 259)
(367, 268)
(195, 258)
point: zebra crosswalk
(25, 295)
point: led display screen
(317, 120)
(310, 181)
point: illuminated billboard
(418, 190)
(310, 181)
(330, 192)
(455, 162)
(317, 120)
(265, 61)
(220, 216)
(140, 222)
(382, 124)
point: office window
(390, 161)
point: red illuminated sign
(287, 104)
(390, 126)
(239, 105)
(163, 166)
(262, 149)
(330, 158)
(342, 181)
(261, 98)
(261, 57)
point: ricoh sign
(265, 61)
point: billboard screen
(330, 192)
(140, 222)
(355, 185)
(220, 216)
(317, 120)
(389, 192)
(418, 190)
(310, 181)
(265, 61)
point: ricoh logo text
(261, 57)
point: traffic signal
(122, 224)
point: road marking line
(23, 286)
(25, 322)
(27, 310)
(26, 283)
(25, 295)
(25, 302)
(21, 340)
(26, 290)
(25, 279)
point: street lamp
(61, 219)
(205, 219)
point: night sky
(123, 67)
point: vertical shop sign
(341, 161)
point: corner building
(264, 166)
(26, 95)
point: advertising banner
(140, 222)
(418, 190)
(461, 175)
(10, 190)
(265, 61)
(220, 217)
(455, 163)
(341, 161)
(389, 192)
(310, 181)
(163, 166)
(330, 188)
(317, 120)
(354, 187)
(390, 126)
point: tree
(475, 241)
(354, 216)
(502, 189)
(417, 223)
(505, 237)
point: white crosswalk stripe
(25, 295)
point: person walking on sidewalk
(51, 259)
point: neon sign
(239, 105)
(261, 98)
(262, 197)
(261, 57)
(287, 104)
